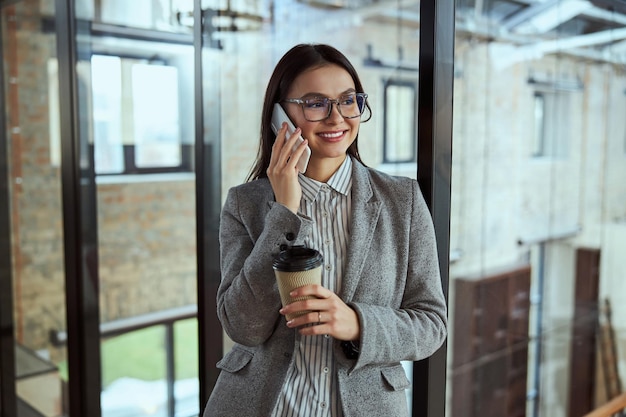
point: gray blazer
(391, 280)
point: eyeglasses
(319, 108)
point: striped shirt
(310, 389)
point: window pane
(106, 79)
(134, 363)
(33, 178)
(537, 210)
(155, 111)
(186, 356)
(400, 113)
(539, 137)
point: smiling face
(330, 138)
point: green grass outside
(141, 354)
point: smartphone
(278, 117)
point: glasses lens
(350, 106)
(315, 108)
(360, 101)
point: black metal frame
(208, 208)
(80, 231)
(8, 398)
(436, 69)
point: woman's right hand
(282, 171)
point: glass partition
(34, 203)
(138, 117)
(538, 209)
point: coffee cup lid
(297, 258)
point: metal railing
(166, 318)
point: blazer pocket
(395, 377)
(235, 360)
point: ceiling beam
(547, 18)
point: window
(136, 116)
(399, 122)
(539, 144)
(552, 131)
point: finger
(319, 323)
(309, 318)
(314, 290)
(297, 153)
(303, 305)
(278, 143)
(289, 155)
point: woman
(380, 301)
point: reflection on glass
(30, 107)
(537, 210)
(148, 14)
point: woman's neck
(322, 170)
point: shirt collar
(340, 181)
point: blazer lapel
(365, 213)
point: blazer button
(290, 236)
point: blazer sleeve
(252, 230)
(418, 327)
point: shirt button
(290, 236)
(323, 405)
(325, 369)
(328, 267)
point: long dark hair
(297, 60)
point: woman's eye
(314, 104)
(347, 100)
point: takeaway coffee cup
(295, 267)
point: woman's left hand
(329, 314)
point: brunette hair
(297, 60)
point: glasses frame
(332, 101)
